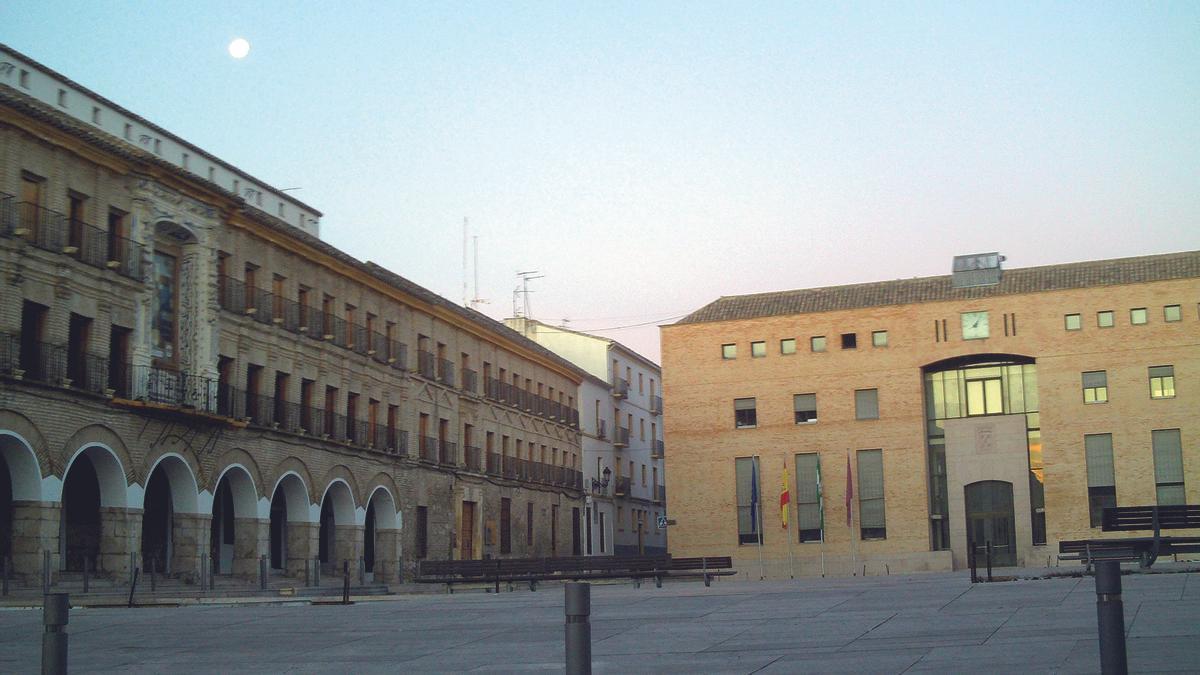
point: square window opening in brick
(728, 351)
(818, 343)
(849, 340)
(1172, 313)
(1139, 316)
(879, 338)
(758, 349)
(787, 346)
(1104, 319)
(745, 413)
(1072, 322)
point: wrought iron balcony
(493, 463)
(469, 380)
(426, 365)
(59, 233)
(621, 486)
(446, 372)
(429, 449)
(656, 405)
(447, 453)
(602, 429)
(620, 437)
(658, 449)
(472, 458)
(620, 388)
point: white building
(620, 409)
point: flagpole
(787, 517)
(850, 515)
(758, 507)
(821, 511)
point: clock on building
(974, 325)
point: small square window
(1138, 316)
(745, 414)
(95, 115)
(729, 351)
(1095, 386)
(1172, 313)
(818, 343)
(758, 349)
(1162, 382)
(1104, 319)
(849, 340)
(787, 346)
(129, 132)
(62, 97)
(1073, 322)
(879, 338)
(25, 79)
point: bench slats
(576, 567)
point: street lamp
(599, 485)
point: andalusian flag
(784, 497)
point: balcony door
(990, 519)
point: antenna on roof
(523, 290)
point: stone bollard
(56, 610)
(86, 565)
(262, 572)
(4, 576)
(345, 582)
(1110, 618)
(989, 559)
(45, 572)
(578, 610)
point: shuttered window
(745, 414)
(748, 498)
(1095, 386)
(808, 497)
(1102, 483)
(1168, 466)
(866, 404)
(870, 494)
(806, 408)
(1162, 382)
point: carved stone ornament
(6, 68)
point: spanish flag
(784, 497)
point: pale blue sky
(650, 157)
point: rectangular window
(1168, 466)
(1102, 484)
(163, 322)
(787, 346)
(1172, 313)
(1104, 319)
(1162, 382)
(1073, 322)
(879, 338)
(984, 397)
(1095, 386)
(849, 340)
(728, 351)
(529, 524)
(805, 406)
(818, 343)
(870, 494)
(866, 404)
(422, 532)
(758, 349)
(749, 510)
(809, 518)
(505, 525)
(744, 413)
(1138, 316)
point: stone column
(301, 546)
(120, 535)
(251, 539)
(35, 528)
(189, 537)
(348, 545)
(387, 556)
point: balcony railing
(427, 365)
(53, 231)
(621, 486)
(493, 463)
(602, 429)
(660, 494)
(429, 449)
(448, 453)
(658, 450)
(620, 436)
(472, 458)
(620, 388)
(469, 380)
(656, 405)
(520, 399)
(446, 372)
(174, 388)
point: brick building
(990, 405)
(188, 373)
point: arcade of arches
(91, 514)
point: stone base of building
(749, 567)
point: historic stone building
(188, 373)
(990, 405)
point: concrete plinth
(387, 556)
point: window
(1138, 316)
(505, 525)
(748, 507)
(1162, 382)
(1102, 484)
(95, 115)
(24, 79)
(1172, 313)
(818, 343)
(745, 415)
(729, 351)
(866, 404)
(870, 494)
(849, 341)
(758, 349)
(879, 338)
(1104, 319)
(422, 532)
(1095, 386)
(1072, 322)
(984, 397)
(808, 497)
(805, 406)
(1168, 466)
(787, 346)
(62, 97)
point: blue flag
(754, 494)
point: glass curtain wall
(953, 392)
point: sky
(648, 158)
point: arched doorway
(6, 510)
(369, 539)
(158, 519)
(81, 516)
(234, 498)
(337, 520)
(289, 506)
(379, 535)
(990, 519)
(20, 487)
(169, 507)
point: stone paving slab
(917, 623)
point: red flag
(784, 497)
(849, 493)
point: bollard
(262, 572)
(4, 575)
(85, 574)
(45, 572)
(578, 609)
(971, 562)
(133, 586)
(316, 571)
(154, 575)
(989, 560)
(307, 572)
(1110, 618)
(56, 610)
(345, 582)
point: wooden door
(466, 541)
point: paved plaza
(925, 623)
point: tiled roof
(1089, 274)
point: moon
(239, 48)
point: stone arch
(385, 508)
(294, 465)
(234, 525)
(290, 521)
(110, 472)
(243, 487)
(342, 472)
(170, 508)
(380, 535)
(22, 427)
(240, 458)
(24, 469)
(181, 470)
(100, 436)
(337, 537)
(293, 488)
(341, 496)
(95, 493)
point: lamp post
(601, 485)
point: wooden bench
(576, 568)
(1145, 550)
